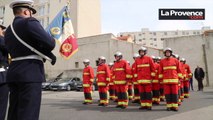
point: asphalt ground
(68, 106)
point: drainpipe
(206, 64)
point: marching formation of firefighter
(149, 80)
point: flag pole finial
(68, 3)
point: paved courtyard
(68, 106)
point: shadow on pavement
(75, 104)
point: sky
(133, 15)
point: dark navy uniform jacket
(31, 31)
(3, 59)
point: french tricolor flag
(62, 30)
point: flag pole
(68, 4)
(68, 7)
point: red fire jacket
(187, 71)
(145, 70)
(121, 72)
(134, 74)
(103, 75)
(111, 80)
(170, 71)
(88, 76)
(156, 79)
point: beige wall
(92, 47)
(209, 51)
(89, 17)
(191, 48)
(73, 15)
(85, 15)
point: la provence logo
(181, 14)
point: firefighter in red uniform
(130, 84)
(121, 71)
(136, 98)
(162, 95)
(188, 75)
(88, 78)
(170, 72)
(111, 84)
(103, 79)
(145, 73)
(156, 84)
(180, 84)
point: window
(76, 79)
(2, 10)
(76, 64)
(151, 43)
(176, 33)
(150, 33)
(154, 33)
(187, 33)
(162, 39)
(41, 10)
(165, 33)
(48, 8)
(156, 45)
(140, 40)
(144, 38)
(144, 43)
(48, 21)
(155, 39)
(194, 33)
(198, 33)
(139, 34)
(183, 33)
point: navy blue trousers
(4, 90)
(25, 101)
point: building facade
(91, 48)
(197, 50)
(86, 21)
(155, 39)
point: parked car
(67, 84)
(80, 86)
(47, 83)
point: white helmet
(176, 56)
(136, 55)
(128, 62)
(183, 60)
(118, 54)
(167, 49)
(142, 49)
(111, 64)
(102, 58)
(158, 58)
(153, 57)
(86, 61)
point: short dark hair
(17, 10)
